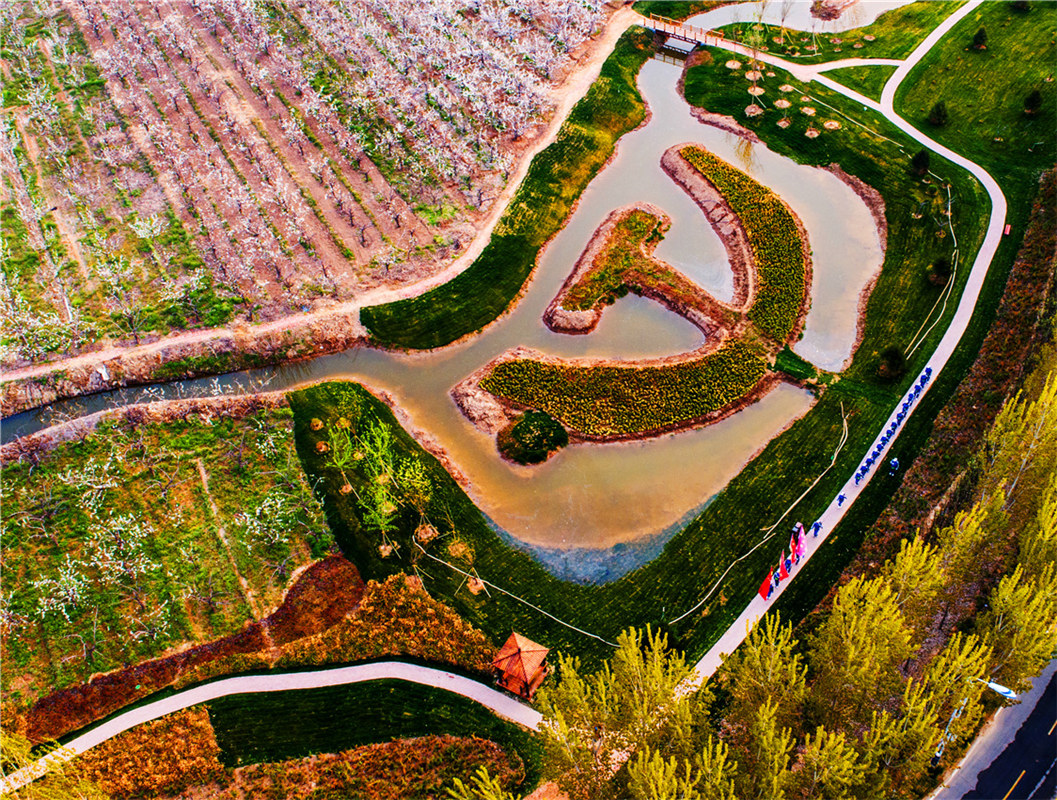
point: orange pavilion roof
(520, 657)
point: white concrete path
(502, 704)
(834, 513)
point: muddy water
(595, 496)
(796, 14)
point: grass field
(985, 92)
(113, 551)
(868, 81)
(272, 726)
(555, 179)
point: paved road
(1027, 768)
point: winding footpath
(851, 490)
(506, 706)
(502, 704)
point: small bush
(939, 272)
(920, 162)
(532, 438)
(1032, 103)
(938, 115)
(893, 364)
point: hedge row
(615, 400)
(775, 240)
(555, 180)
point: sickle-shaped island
(605, 400)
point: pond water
(596, 496)
(797, 14)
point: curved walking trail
(506, 706)
(834, 513)
(502, 704)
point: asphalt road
(1027, 768)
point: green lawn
(273, 726)
(984, 92)
(894, 34)
(543, 201)
(868, 81)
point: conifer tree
(709, 775)
(954, 681)
(857, 651)
(916, 577)
(60, 782)
(980, 39)
(829, 766)
(716, 770)
(1038, 542)
(1021, 626)
(897, 746)
(482, 786)
(765, 769)
(593, 721)
(920, 162)
(651, 776)
(938, 115)
(765, 668)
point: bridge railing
(681, 30)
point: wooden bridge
(681, 31)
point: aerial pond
(598, 495)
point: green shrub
(774, 238)
(532, 438)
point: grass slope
(894, 34)
(868, 81)
(555, 180)
(273, 726)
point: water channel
(573, 509)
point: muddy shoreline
(32, 447)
